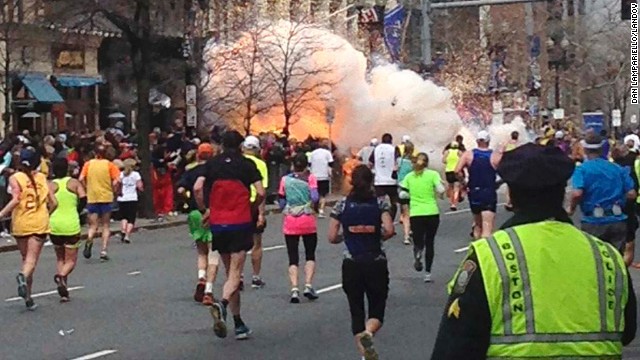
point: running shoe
(310, 293)
(199, 293)
(321, 214)
(295, 296)
(417, 254)
(427, 277)
(409, 239)
(122, 236)
(103, 256)
(257, 282)
(366, 340)
(62, 286)
(242, 332)
(127, 240)
(219, 315)
(88, 245)
(31, 305)
(22, 285)
(207, 299)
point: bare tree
(133, 19)
(289, 52)
(237, 86)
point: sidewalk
(9, 244)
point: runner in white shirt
(365, 152)
(321, 161)
(384, 160)
(128, 201)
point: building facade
(50, 78)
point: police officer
(539, 287)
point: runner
(321, 162)
(450, 160)
(623, 156)
(366, 222)
(481, 164)
(229, 177)
(365, 153)
(384, 160)
(421, 186)
(65, 223)
(405, 166)
(251, 148)
(207, 260)
(401, 148)
(101, 179)
(31, 202)
(128, 200)
(298, 197)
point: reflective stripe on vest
(517, 333)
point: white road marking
(53, 292)
(277, 247)
(330, 288)
(461, 249)
(96, 355)
(134, 273)
(461, 211)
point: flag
(369, 15)
(393, 28)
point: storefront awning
(79, 81)
(41, 89)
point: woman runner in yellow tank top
(65, 222)
(30, 205)
(450, 159)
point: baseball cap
(559, 134)
(251, 142)
(535, 167)
(374, 141)
(30, 158)
(196, 141)
(406, 138)
(483, 135)
(205, 149)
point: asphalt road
(139, 305)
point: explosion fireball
(323, 68)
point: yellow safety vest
(553, 292)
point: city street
(139, 305)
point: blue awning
(41, 89)
(78, 81)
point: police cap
(532, 166)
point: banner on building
(192, 116)
(393, 29)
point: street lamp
(557, 58)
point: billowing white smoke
(387, 100)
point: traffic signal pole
(428, 6)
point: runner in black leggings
(422, 186)
(298, 197)
(366, 221)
